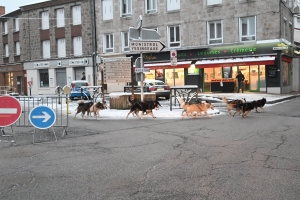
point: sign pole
(132, 80)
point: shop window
(107, 9)
(45, 20)
(174, 36)
(177, 75)
(173, 5)
(44, 78)
(108, 44)
(150, 75)
(60, 17)
(76, 14)
(214, 32)
(247, 29)
(126, 8)
(151, 6)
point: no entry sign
(10, 110)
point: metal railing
(6, 90)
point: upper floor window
(213, 2)
(107, 9)
(45, 20)
(46, 48)
(108, 43)
(174, 36)
(247, 29)
(126, 8)
(60, 17)
(77, 46)
(61, 47)
(173, 5)
(76, 15)
(151, 6)
(17, 48)
(214, 32)
(125, 41)
(4, 27)
(16, 24)
(5, 50)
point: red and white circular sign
(10, 110)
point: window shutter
(17, 27)
(6, 50)
(77, 43)
(107, 9)
(60, 18)
(76, 10)
(5, 27)
(17, 48)
(45, 20)
(46, 49)
(61, 47)
(213, 2)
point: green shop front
(266, 67)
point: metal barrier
(56, 103)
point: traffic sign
(173, 61)
(29, 83)
(139, 70)
(279, 48)
(144, 34)
(173, 54)
(42, 117)
(10, 110)
(146, 46)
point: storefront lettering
(3, 69)
(204, 53)
(149, 57)
(242, 50)
(181, 55)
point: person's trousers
(240, 86)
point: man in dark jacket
(240, 77)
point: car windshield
(79, 84)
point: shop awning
(228, 62)
(167, 65)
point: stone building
(212, 41)
(58, 41)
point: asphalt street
(164, 158)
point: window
(77, 46)
(126, 8)
(17, 48)
(46, 48)
(16, 24)
(173, 5)
(247, 29)
(108, 44)
(4, 27)
(213, 2)
(174, 36)
(214, 32)
(61, 47)
(44, 78)
(5, 50)
(107, 9)
(45, 20)
(125, 41)
(60, 17)
(151, 6)
(76, 15)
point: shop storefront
(12, 77)
(266, 67)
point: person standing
(240, 78)
(83, 76)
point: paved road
(219, 158)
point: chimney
(2, 10)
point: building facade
(213, 39)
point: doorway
(254, 78)
(61, 77)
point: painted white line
(8, 111)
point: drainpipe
(94, 41)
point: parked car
(77, 91)
(159, 87)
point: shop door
(61, 77)
(262, 78)
(254, 79)
(20, 85)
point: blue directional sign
(42, 117)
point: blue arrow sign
(42, 117)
